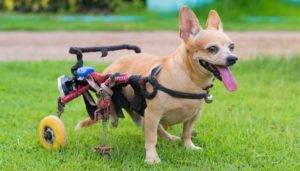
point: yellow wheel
(52, 132)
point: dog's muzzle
(230, 60)
(211, 68)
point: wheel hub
(49, 135)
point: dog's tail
(84, 123)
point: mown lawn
(145, 22)
(256, 128)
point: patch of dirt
(55, 45)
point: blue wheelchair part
(84, 71)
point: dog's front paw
(151, 155)
(173, 138)
(195, 148)
(190, 145)
(152, 160)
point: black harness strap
(138, 83)
(138, 103)
(157, 86)
(90, 104)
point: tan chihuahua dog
(203, 55)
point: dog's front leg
(187, 132)
(166, 135)
(151, 122)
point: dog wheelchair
(84, 80)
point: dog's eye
(231, 47)
(213, 49)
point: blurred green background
(257, 128)
(118, 15)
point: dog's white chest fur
(181, 111)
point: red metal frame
(103, 107)
(74, 94)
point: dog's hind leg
(136, 118)
(114, 119)
(187, 132)
(166, 135)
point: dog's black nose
(231, 60)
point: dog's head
(209, 49)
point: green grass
(233, 14)
(152, 22)
(256, 128)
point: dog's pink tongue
(227, 78)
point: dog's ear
(188, 23)
(213, 21)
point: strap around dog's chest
(157, 86)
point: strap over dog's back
(157, 86)
(138, 83)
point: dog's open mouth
(222, 73)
